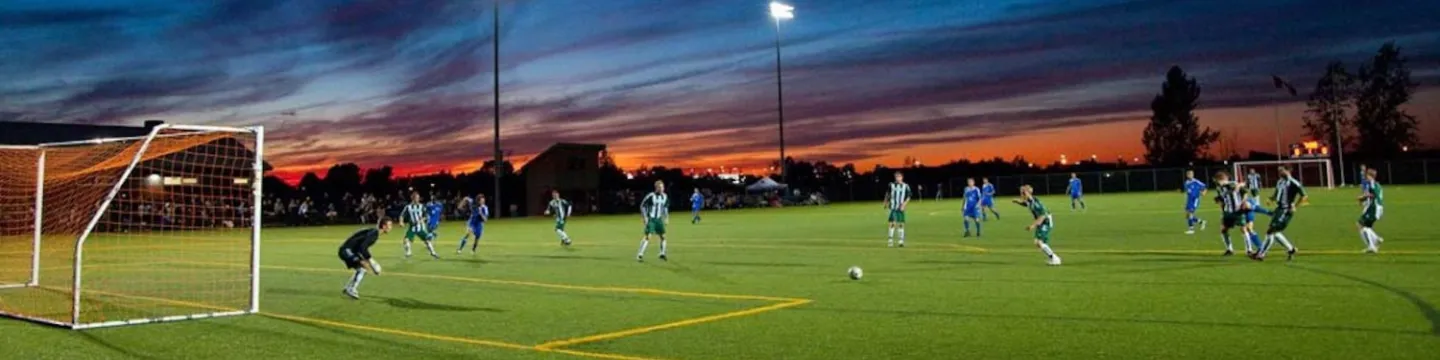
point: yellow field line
(613, 289)
(671, 325)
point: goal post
(1310, 172)
(124, 231)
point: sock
(430, 245)
(1082, 204)
(475, 244)
(984, 216)
(1190, 220)
(355, 280)
(407, 246)
(1228, 245)
(462, 242)
(1254, 241)
(1374, 236)
(1284, 242)
(967, 225)
(1365, 239)
(1045, 248)
(562, 234)
(892, 234)
(902, 235)
(662, 246)
(977, 228)
(997, 213)
(645, 242)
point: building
(574, 169)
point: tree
(1174, 136)
(1228, 142)
(1330, 105)
(378, 181)
(343, 179)
(311, 185)
(1384, 129)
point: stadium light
(780, 11)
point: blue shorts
(1249, 216)
(1075, 195)
(971, 212)
(987, 202)
(476, 227)
(695, 208)
(432, 226)
(1192, 205)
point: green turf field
(771, 284)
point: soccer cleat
(639, 258)
(1371, 250)
(1290, 255)
(890, 243)
(1054, 261)
(565, 242)
(1190, 232)
(1229, 253)
(1202, 224)
(351, 293)
(663, 258)
(967, 234)
(457, 251)
(902, 244)
(436, 257)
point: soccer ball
(856, 273)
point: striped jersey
(1231, 200)
(1375, 195)
(414, 214)
(655, 206)
(1287, 192)
(1038, 210)
(899, 194)
(1253, 180)
(560, 208)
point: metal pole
(1278, 155)
(499, 169)
(255, 214)
(780, 103)
(39, 219)
(1340, 151)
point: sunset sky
(691, 83)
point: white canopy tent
(765, 184)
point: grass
(766, 284)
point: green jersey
(1288, 191)
(1231, 198)
(414, 215)
(1375, 196)
(899, 194)
(560, 208)
(655, 206)
(1037, 210)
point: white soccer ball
(856, 273)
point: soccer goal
(1310, 172)
(124, 231)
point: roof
(33, 133)
(559, 147)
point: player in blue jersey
(479, 214)
(1076, 191)
(697, 201)
(1364, 183)
(987, 199)
(433, 212)
(1253, 207)
(1194, 190)
(971, 212)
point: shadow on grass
(1426, 308)
(90, 337)
(958, 315)
(413, 304)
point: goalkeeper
(355, 252)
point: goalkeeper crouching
(355, 252)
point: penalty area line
(671, 325)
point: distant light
(1136, 160)
(1405, 148)
(781, 11)
(153, 180)
(1093, 157)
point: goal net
(1310, 172)
(112, 232)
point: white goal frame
(1329, 168)
(75, 321)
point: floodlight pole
(780, 103)
(499, 160)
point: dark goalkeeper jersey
(361, 241)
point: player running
(1232, 208)
(971, 211)
(987, 199)
(561, 208)
(434, 211)
(655, 209)
(1374, 202)
(1289, 194)
(697, 201)
(413, 217)
(1042, 225)
(895, 201)
(1194, 190)
(355, 252)
(1076, 191)
(479, 214)
(1253, 207)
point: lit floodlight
(781, 11)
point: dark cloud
(60, 17)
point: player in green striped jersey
(1289, 195)
(1373, 201)
(1042, 225)
(561, 209)
(655, 210)
(895, 201)
(1232, 208)
(414, 217)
